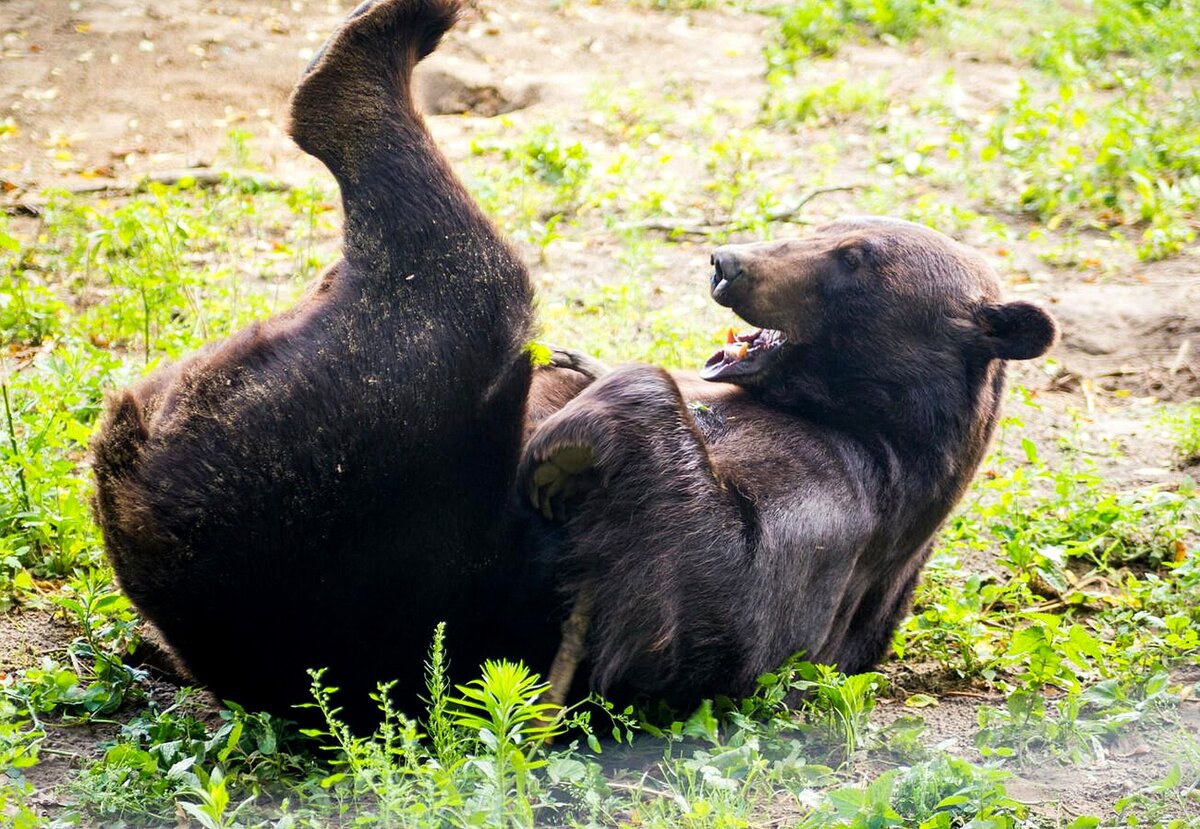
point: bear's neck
(925, 435)
(941, 447)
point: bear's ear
(1017, 330)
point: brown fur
(322, 488)
(794, 510)
(553, 387)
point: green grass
(811, 28)
(1067, 600)
(1129, 161)
(1185, 428)
(824, 104)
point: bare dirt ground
(106, 91)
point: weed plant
(1066, 599)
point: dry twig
(678, 225)
(573, 648)
(197, 176)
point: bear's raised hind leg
(409, 222)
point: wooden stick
(202, 176)
(702, 227)
(573, 648)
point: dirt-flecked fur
(322, 488)
(722, 527)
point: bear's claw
(561, 478)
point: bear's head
(866, 311)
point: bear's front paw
(558, 477)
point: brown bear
(785, 501)
(322, 488)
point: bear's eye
(850, 258)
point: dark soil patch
(28, 634)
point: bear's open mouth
(743, 354)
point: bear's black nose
(726, 270)
(726, 265)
